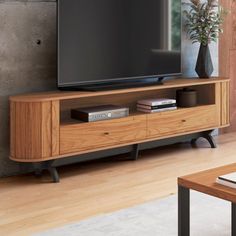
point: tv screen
(100, 41)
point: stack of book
(228, 180)
(156, 105)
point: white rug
(209, 217)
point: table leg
(233, 219)
(183, 211)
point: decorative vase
(204, 67)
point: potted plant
(203, 22)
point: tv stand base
(207, 135)
(42, 130)
(116, 85)
(47, 165)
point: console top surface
(65, 95)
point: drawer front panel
(181, 121)
(88, 136)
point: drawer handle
(106, 133)
(183, 121)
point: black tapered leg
(47, 165)
(135, 152)
(233, 219)
(183, 211)
(54, 174)
(194, 142)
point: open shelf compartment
(205, 93)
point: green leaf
(203, 20)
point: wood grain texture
(34, 127)
(225, 103)
(233, 25)
(218, 101)
(20, 131)
(227, 57)
(181, 120)
(150, 139)
(28, 139)
(205, 182)
(232, 90)
(225, 41)
(85, 136)
(44, 133)
(31, 125)
(55, 128)
(12, 128)
(46, 129)
(228, 103)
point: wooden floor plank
(29, 205)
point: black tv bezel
(82, 85)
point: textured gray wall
(27, 66)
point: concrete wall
(28, 60)
(25, 65)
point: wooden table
(204, 182)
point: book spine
(156, 107)
(157, 103)
(156, 110)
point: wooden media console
(42, 129)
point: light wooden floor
(30, 205)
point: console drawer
(88, 136)
(181, 121)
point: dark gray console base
(208, 136)
(47, 165)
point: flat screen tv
(108, 42)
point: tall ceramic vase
(204, 67)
